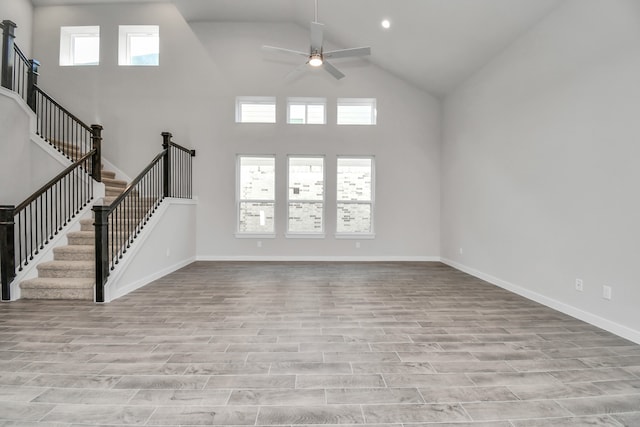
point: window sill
(304, 236)
(355, 236)
(255, 235)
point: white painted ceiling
(432, 44)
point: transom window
(306, 111)
(256, 178)
(79, 46)
(357, 111)
(256, 109)
(305, 196)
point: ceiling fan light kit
(317, 57)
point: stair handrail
(38, 220)
(118, 224)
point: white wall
(167, 244)
(540, 164)
(24, 165)
(20, 12)
(192, 95)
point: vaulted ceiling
(432, 44)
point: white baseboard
(312, 258)
(593, 319)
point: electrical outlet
(168, 251)
(357, 245)
(259, 243)
(461, 251)
(606, 292)
(579, 285)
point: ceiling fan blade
(332, 70)
(317, 31)
(343, 53)
(283, 50)
(297, 71)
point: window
(256, 109)
(256, 177)
(357, 111)
(139, 45)
(310, 111)
(79, 45)
(305, 196)
(355, 194)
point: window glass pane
(354, 218)
(306, 178)
(297, 114)
(354, 114)
(256, 217)
(305, 217)
(315, 114)
(144, 49)
(257, 178)
(354, 179)
(86, 50)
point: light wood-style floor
(377, 344)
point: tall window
(256, 177)
(79, 45)
(357, 111)
(139, 45)
(355, 194)
(256, 109)
(310, 111)
(305, 197)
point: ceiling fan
(317, 57)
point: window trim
(369, 102)
(306, 101)
(306, 234)
(124, 43)
(261, 100)
(68, 36)
(372, 201)
(253, 234)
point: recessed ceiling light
(385, 24)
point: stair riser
(68, 272)
(81, 240)
(74, 256)
(57, 293)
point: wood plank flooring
(292, 344)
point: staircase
(71, 274)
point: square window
(79, 46)
(139, 45)
(357, 111)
